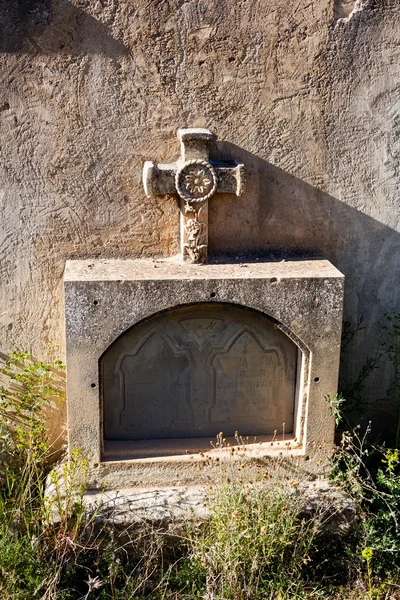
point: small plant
(257, 543)
(335, 406)
(371, 475)
(32, 385)
(67, 489)
(368, 553)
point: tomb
(162, 355)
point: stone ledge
(172, 268)
(175, 506)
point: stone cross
(195, 179)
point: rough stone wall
(305, 93)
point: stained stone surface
(198, 370)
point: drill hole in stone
(95, 302)
(93, 385)
(213, 294)
(316, 379)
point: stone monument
(163, 355)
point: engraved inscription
(248, 380)
(153, 371)
(198, 370)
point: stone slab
(197, 370)
(194, 448)
(105, 298)
(174, 268)
(176, 506)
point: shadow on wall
(38, 26)
(280, 215)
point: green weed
(256, 544)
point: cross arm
(231, 177)
(159, 179)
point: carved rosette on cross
(195, 179)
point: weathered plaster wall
(307, 99)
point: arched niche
(196, 370)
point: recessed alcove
(163, 355)
(193, 371)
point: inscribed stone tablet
(198, 370)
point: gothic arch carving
(196, 370)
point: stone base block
(164, 355)
(174, 507)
